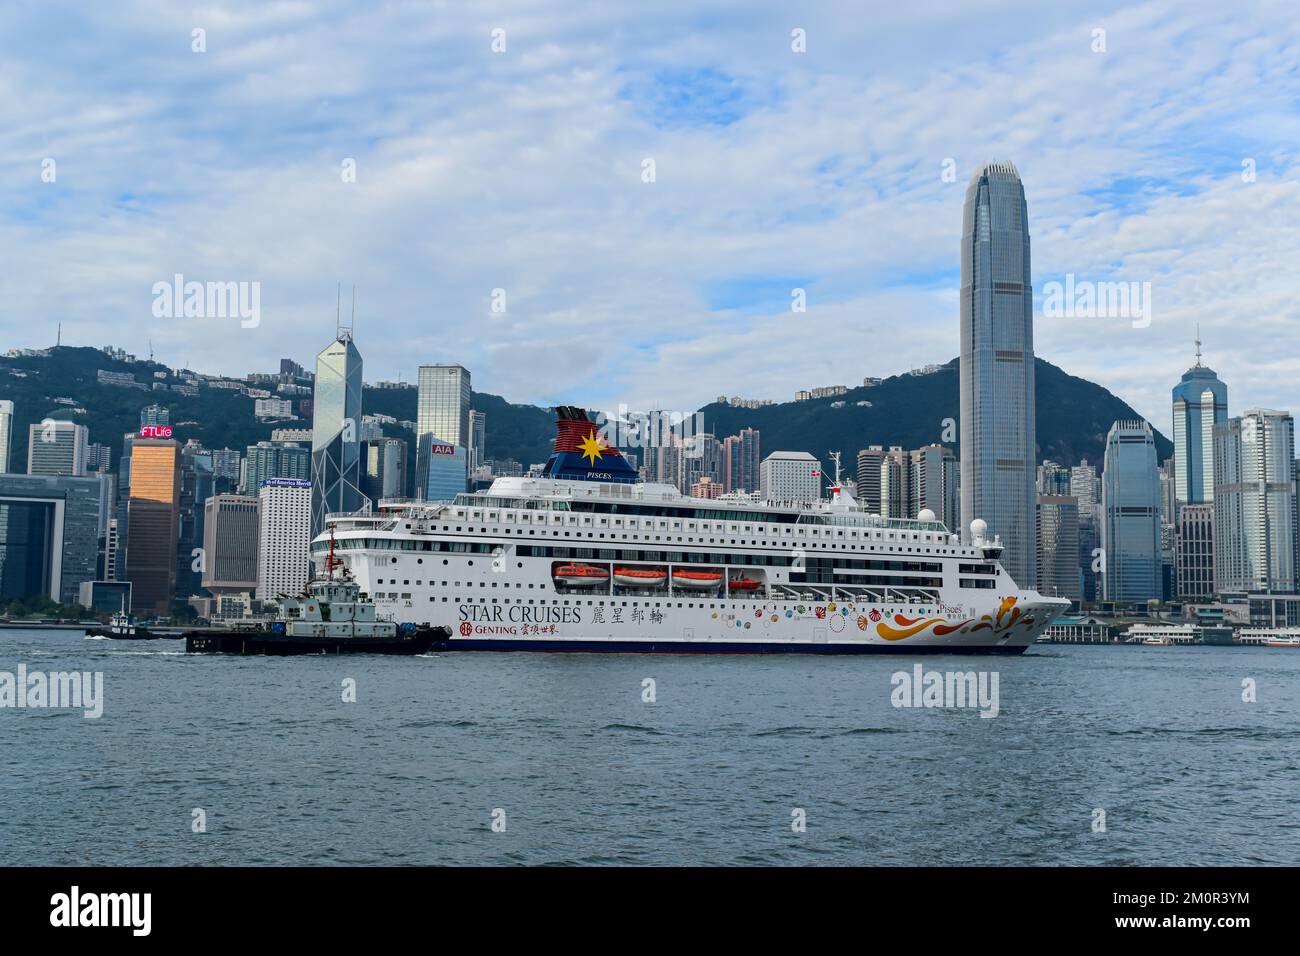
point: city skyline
(814, 179)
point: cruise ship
(587, 557)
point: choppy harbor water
(287, 773)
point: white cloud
(522, 171)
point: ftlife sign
(155, 431)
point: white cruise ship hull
(817, 578)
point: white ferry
(589, 558)
(1269, 636)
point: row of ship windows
(392, 544)
(787, 532)
(663, 525)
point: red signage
(155, 431)
(442, 449)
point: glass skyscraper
(335, 430)
(442, 418)
(1130, 508)
(997, 367)
(1255, 503)
(153, 510)
(1200, 403)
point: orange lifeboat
(696, 580)
(580, 575)
(745, 584)
(640, 577)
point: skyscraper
(1254, 503)
(383, 469)
(934, 484)
(152, 524)
(477, 439)
(269, 459)
(869, 462)
(230, 539)
(1194, 559)
(997, 367)
(336, 423)
(1130, 504)
(896, 485)
(1058, 547)
(741, 457)
(790, 476)
(49, 535)
(442, 417)
(6, 433)
(56, 447)
(284, 537)
(1200, 403)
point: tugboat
(122, 627)
(330, 617)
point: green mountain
(906, 410)
(913, 410)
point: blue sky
(524, 171)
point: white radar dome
(978, 528)
(925, 515)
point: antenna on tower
(338, 308)
(1198, 344)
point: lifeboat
(640, 577)
(580, 575)
(697, 580)
(745, 584)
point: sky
(605, 204)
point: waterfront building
(284, 537)
(230, 543)
(1131, 514)
(997, 367)
(105, 597)
(1194, 555)
(49, 535)
(1058, 547)
(153, 508)
(1254, 503)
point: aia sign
(155, 431)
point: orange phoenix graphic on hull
(1008, 615)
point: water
(586, 773)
